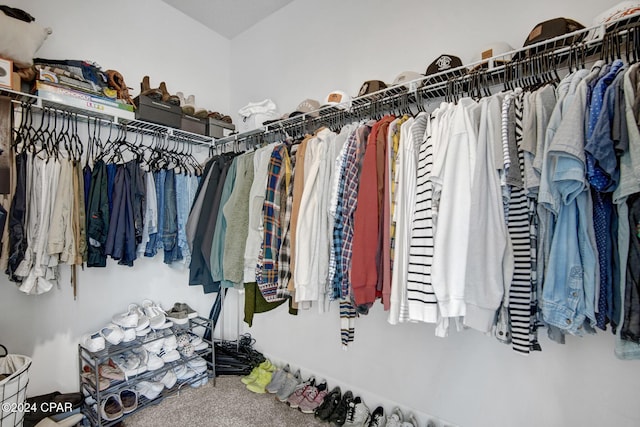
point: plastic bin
(13, 388)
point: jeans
(170, 223)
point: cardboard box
(16, 83)
(158, 112)
(194, 124)
(218, 128)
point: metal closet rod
(556, 48)
(33, 101)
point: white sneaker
(93, 342)
(170, 343)
(410, 421)
(169, 356)
(185, 374)
(358, 413)
(129, 334)
(198, 364)
(126, 320)
(143, 319)
(200, 383)
(143, 332)
(149, 389)
(169, 379)
(154, 346)
(112, 333)
(157, 316)
(396, 419)
(154, 362)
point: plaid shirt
(267, 268)
(335, 268)
(352, 168)
(284, 257)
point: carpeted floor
(228, 404)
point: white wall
(310, 48)
(135, 38)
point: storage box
(194, 124)
(6, 73)
(218, 128)
(158, 112)
(76, 99)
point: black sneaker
(329, 404)
(339, 416)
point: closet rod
(558, 49)
(150, 129)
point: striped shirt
(421, 297)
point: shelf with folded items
(96, 419)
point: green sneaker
(252, 376)
(258, 386)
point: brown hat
(552, 28)
(371, 86)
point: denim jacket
(569, 289)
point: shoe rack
(133, 125)
(93, 360)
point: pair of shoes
(111, 371)
(168, 379)
(189, 108)
(329, 404)
(277, 379)
(180, 313)
(111, 408)
(90, 377)
(313, 397)
(149, 389)
(305, 392)
(289, 386)
(189, 343)
(358, 414)
(93, 342)
(396, 419)
(377, 418)
(260, 377)
(339, 414)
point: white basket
(13, 389)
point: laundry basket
(14, 377)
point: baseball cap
(499, 49)
(371, 86)
(339, 99)
(553, 28)
(446, 64)
(405, 80)
(308, 106)
(614, 15)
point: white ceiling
(228, 17)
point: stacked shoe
(168, 379)
(358, 414)
(410, 421)
(329, 404)
(313, 399)
(149, 389)
(260, 377)
(157, 316)
(169, 352)
(277, 379)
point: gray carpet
(227, 404)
